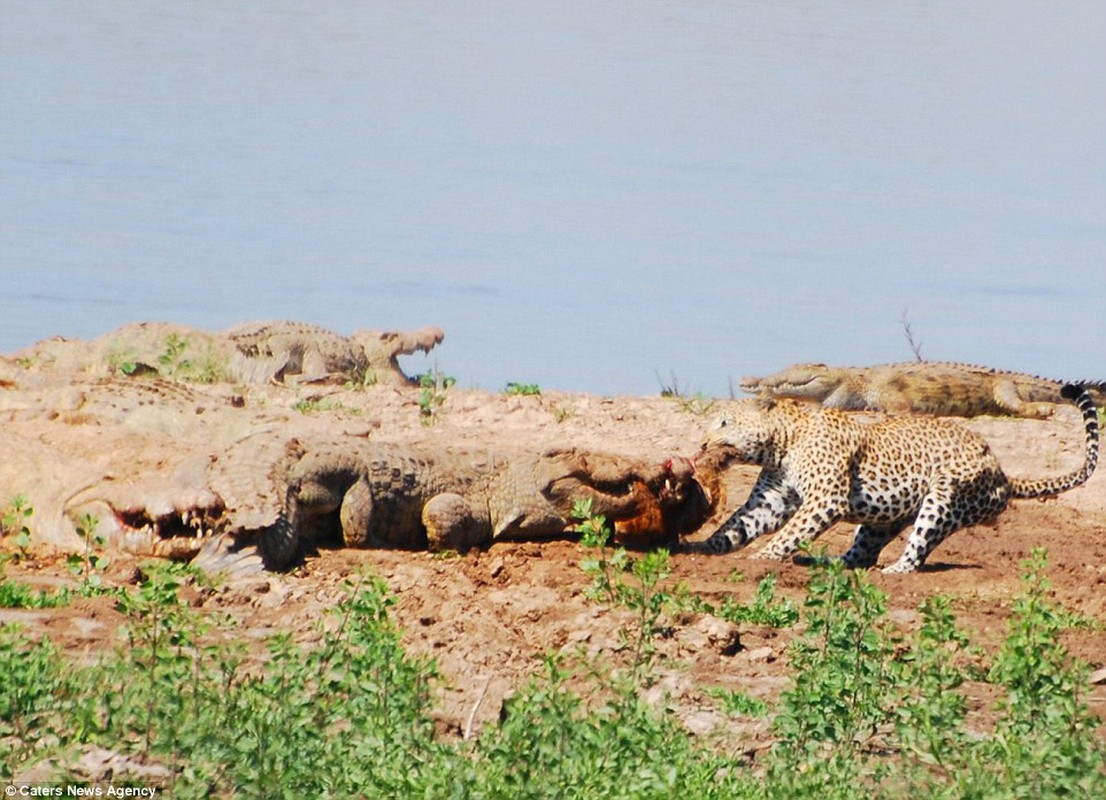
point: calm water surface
(584, 195)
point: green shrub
(19, 595)
(552, 744)
(871, 712)
(522, 389)
(32, 674)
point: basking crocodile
(443, 498)
(275, 351)
(254, 353)
(922, 387)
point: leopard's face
(742, 434)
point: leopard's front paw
(900, 567)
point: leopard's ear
(765, 401)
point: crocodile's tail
(1049, 486)
(1043, 390)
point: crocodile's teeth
(185, 517)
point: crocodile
(277, 351)
(416, 496)
(252, 353)
(922, 387)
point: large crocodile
(921, 387)
(253, 353)
(370, 494)
(158, 467)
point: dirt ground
(488, 616)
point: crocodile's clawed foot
(222, 555)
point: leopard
(821, 466)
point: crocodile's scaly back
(1046, 487)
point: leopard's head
(742, 434)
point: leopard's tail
(1045, 487)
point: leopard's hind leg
(951, 505)
(869, 543)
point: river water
(592, 196)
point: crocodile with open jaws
(922, 387)
(279, 350)
(416, 496)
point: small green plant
(447, 554)
(432, 394)
(608, 569)
(317, 405)
(700, 405)
(765, 609)
(930, 708)
(122, 358)
(209, 367)
(861, 691)
(172, 359)
(522, 389)
(672, 387)
(562, 414)
(604, 567)
(1045, 739)
(839, 703)
(361, 379)
(13, 524)
(553, 744)
(738, 704)
(89, 564)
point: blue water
(583, 195)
